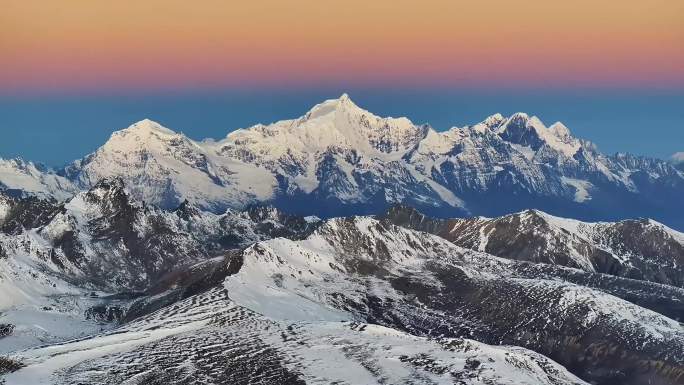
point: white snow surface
(44, 308)
(582, 188)
(158, 164)
(17, 174)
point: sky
(73, 71)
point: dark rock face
(8, 365)
(26, 213)
(503, 312)
(184, 283)
(274, 223)
(663, 299)
(637, 249)
(6, 330)
(104, 313)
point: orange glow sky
(166, 44)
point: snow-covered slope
(678, 157)
(21, 177)
(424, 285)
(334, 123)
(61, 263)
(341, 153)
(339, 159)
(349, 299)
(206, 337)
(37, 304)
(210, 339)
(639, 249)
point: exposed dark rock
(9, 365)
(105, 313)
(27, 213)
(6, 330)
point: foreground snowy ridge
(358, 300)
(210, 339)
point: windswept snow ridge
(210, 339)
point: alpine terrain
(343, 248)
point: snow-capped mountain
(339, 159)
(639, 249)
(340, 156)
(164, 168)
(336, 154)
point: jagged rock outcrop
(106, 239)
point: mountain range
(339, 159)
(343, 248)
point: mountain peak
(519, 128)
(492, 122)
(145, 134)
(148, 125)
(560, 130)
(529, 131)
(341, 104)
(520, 116)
